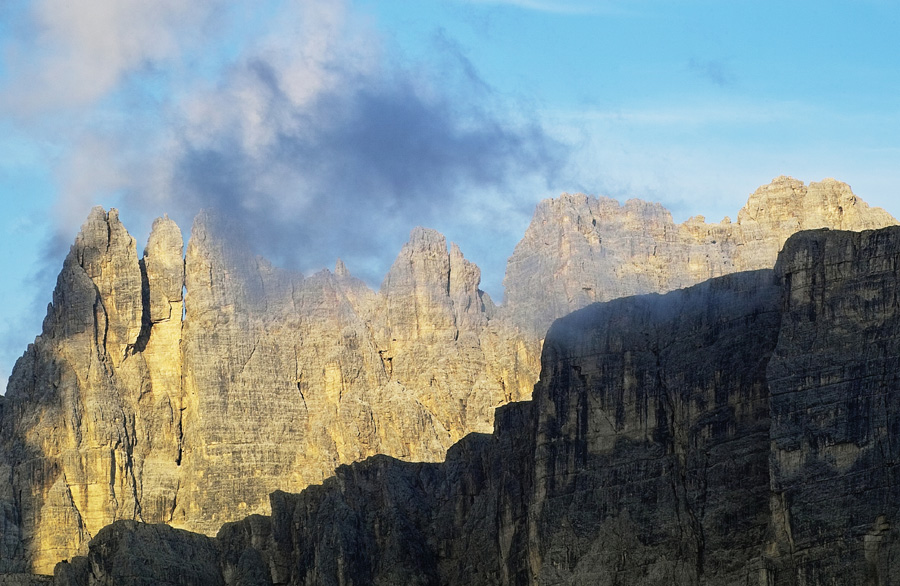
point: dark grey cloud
(317, 138)
(351, 169)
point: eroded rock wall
(85, 409)
(643, 459)
(184, 386)
(835, 409)
(651, 461)
(135, 405)
(740, 431)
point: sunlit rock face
(581, 249)
(185, 385)
(740, 431)
(287, 377)
(124, 410)
(91, 419)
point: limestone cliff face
(283, 382)
(580, 249)
(835, 411)
(124, 410)
(88, 406)
(431, 323)
(735, 432)
(288, 377)
(184, 386)
(642, 459)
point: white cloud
(78, 51)
(312, 51)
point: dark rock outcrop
(835, 410)
(128, 553)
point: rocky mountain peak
(164, 266)
(579, 249)
(340, 269)
(423, 261)
(465, 276)
(740, 431)
(124, 409)
(416, 290)
(789, 203)
(105, 253)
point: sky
(331, 128)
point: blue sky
(332, 128)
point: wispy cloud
(306, 134)
(72, 53)
(704, 113)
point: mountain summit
(185, 386)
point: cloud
(309, 135)
(72, 53)
(340, 156)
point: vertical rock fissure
(130, 440)
(448, 277)
(100, 341)
(79, 519)
(174, 505)
(179, 426)
(108, 242)
(140, 344)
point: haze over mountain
(186, 385)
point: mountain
(185, 386)
(740, 431)
(581, 249)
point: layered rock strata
(736, 432)
(185, 385)
(83, 412)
